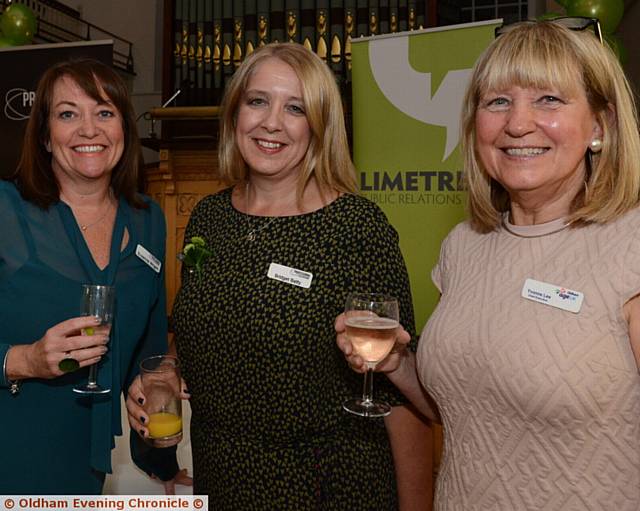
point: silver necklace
(552, 230)
(251, 235)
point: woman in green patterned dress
(254, 323)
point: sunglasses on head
(571, 22)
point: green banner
(407, 93)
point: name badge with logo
(553, 295)
(290, 275)
(147, 257)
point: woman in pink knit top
(531, 358)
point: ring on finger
(68, 364)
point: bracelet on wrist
(14, 385)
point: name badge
(147, 257)
(555, 296)
(290, 275)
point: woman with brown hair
(71, 215)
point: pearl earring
(596, 145)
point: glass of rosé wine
(372, 322)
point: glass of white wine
(97, 301)
(372, 322)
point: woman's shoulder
(358, 207)
(631, 219)
(622, 231)
(357, 218)
(627, 224)
(151, 208)
(9, 195)
(147, 223)
(213, 203)
(463, 229)
(151, 204)
(8, 189)
(458, 237)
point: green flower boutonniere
(194, 254)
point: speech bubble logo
(410, 91)
(17, 104)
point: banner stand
(407, 95)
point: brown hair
(544, 54)
(34, 175)
(327, 159)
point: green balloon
(18, 24)
(615, 43)
(549, 16)
(609, 12)
(4, 42)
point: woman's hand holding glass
(387, 365)
(136, 399)
(62, 341)
(98, 302)
(139, 421)
(372, 320)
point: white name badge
(290, 275)
(555, 296)
(152, 261)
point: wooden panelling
(186, 172)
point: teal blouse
(56, 442)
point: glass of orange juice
(161, 385)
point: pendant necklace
(84, 227)
(251, 235)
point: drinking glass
(372, 321)
(161, 386)
(97, 301)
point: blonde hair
(327, 159)
(546, 55)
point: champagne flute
(97, 301)
(372, 321)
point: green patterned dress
(260, 358)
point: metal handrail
(52, 31)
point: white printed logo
(410, 91)
(17, 104)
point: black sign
(20, 69)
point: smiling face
(534, 141)
(272, 130)
(86, 138)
